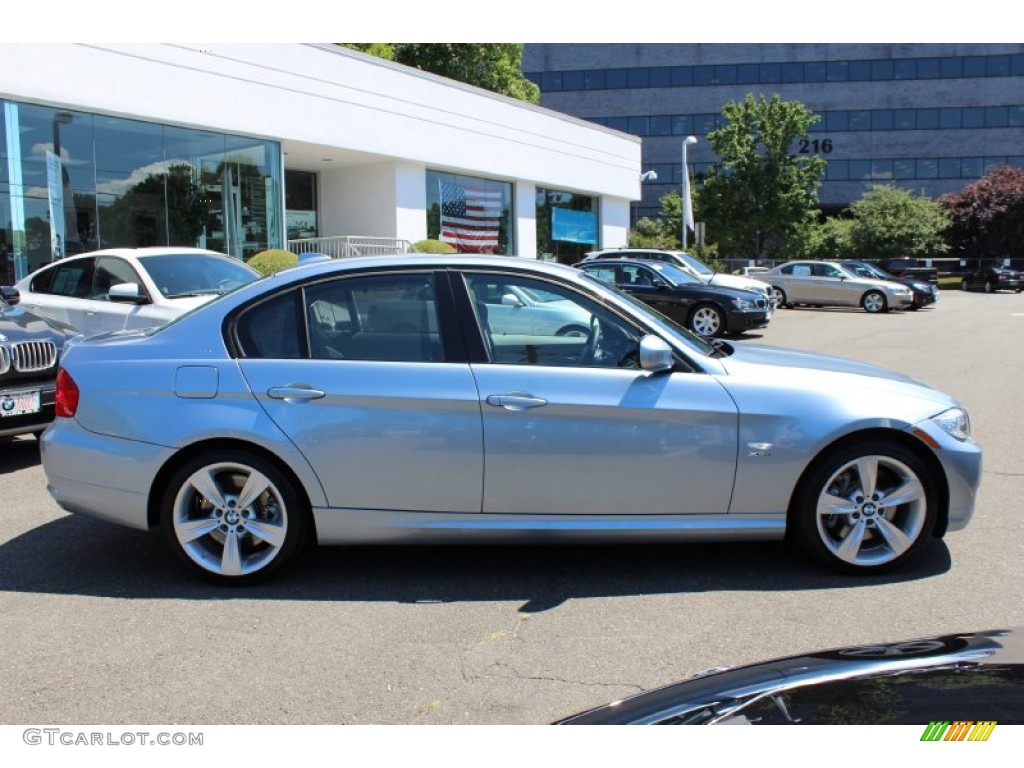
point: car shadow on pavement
(17, 453)
(77, 556)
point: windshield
(697, 266)
(866, 270)
(673, 274)
(195, 274)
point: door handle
(516, 402)
(294, 392)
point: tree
(759, 199)
(495, 67)
(987, 217)
(831, 240)
(889, 222)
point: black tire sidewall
(296, 507)
(803, 513)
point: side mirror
(655, 355)
(9, 294)
(126, 293)
(511, 300)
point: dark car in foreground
(925, 292)
(992, 279)
(974, 680)
(29, 350)
(382, 400)
(704, 309)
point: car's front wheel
(233, 517)
(707, 320)
(874, 302)
(865, 507)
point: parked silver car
(296, 407)
(830, 284)
(126, 288)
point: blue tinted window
(837, 71)
(927, 169)
(594, 79)
(860, 120)
(725, 74)
(904, 169)
(637, 125)
(951, 67)
(903, 69)
(771, 73)
(949, 117)
(572, 81)
(927, 69)
(792, 72)
(998, 66)
(617, 78)
(747, 74)
(660, 125)
(1017, 161)
(881, 120)
(1015, 116)
(682, 75)
(1017, 65)
(682, 125)
(927, 119)
(814, 72)
(997, 117)
(905, 119)
(839, 120)
(703, 75)
(974, 66)
(704, 124)
(881, 70)
(991, 163)
(949, 168)
(661, 77)
(973, 117)
(860, 169)
(618, 123)
(639, 77)
(837, 170)
(971, 167)
(552, 81)
(881, 170)
(860, 70)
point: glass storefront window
(567, 225)
(89, 181)
(300, 206)
(471, 214)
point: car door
(572, 425)
(357, 372)
(834, 288)
(798, 283)
(62, 292)
(102, 314)
(646, 285)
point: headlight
(743, 304)
(954, 422)
(922, 287)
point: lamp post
(687, 204)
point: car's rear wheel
(988, 286)
(964, 285)
(874, 302)
(780, 296)
(233, 517)
(866, 507)
(707, 320)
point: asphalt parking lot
(100, 625)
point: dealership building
(931, 118)
(240, 148)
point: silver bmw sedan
(382, 401)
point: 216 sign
(815, 146)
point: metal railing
(347, 246)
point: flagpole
(687, 209)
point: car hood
(775, 357)
(736, 281)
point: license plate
(19, 403)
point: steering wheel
(590, 346)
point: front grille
(761, 304)
(29, 356)
(5, 360)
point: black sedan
(991, 279)
(924, 292)
(705, 310)
(972, 681)
(29, 349)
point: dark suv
(912, 269)
(991, 279)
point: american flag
(470, 217)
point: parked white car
(689, 264)
(129, 288)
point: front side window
(525, 321)
(109, 271)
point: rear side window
(272, 329)
(73, 278)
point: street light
(687, 209)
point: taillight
(67, 395)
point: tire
(988, 286)
(780, 297)
(202, 516)
(707, 320)
(574, 331)
(964, 285)
(874, 302)
(837, 510)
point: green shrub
(274, 260)
(432, 246)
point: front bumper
(29, 422)
(739, 321)
(962, 464)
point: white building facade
(240, 148)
